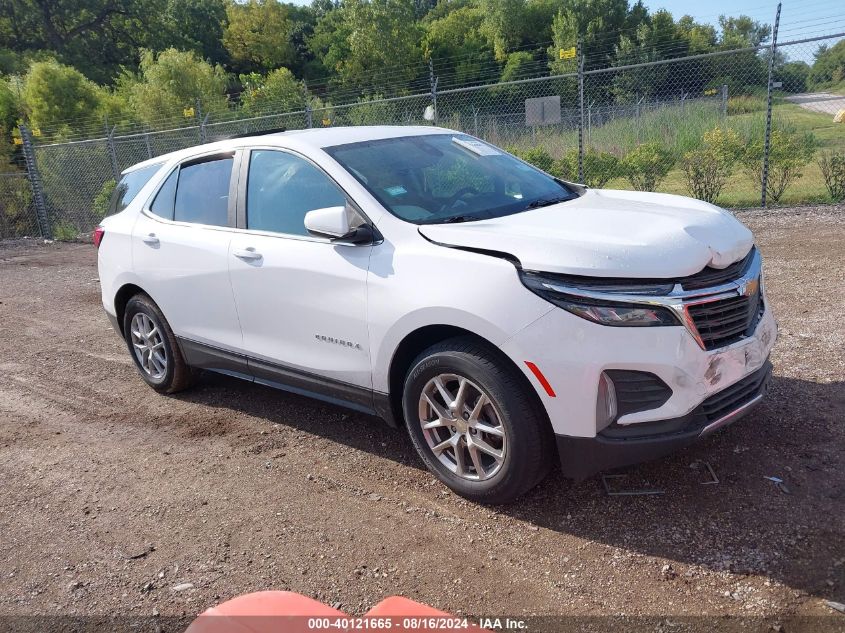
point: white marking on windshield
(476, 147)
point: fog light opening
(605, 402)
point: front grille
(728, 400)
(638, 390)
(726, 321)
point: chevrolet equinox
(508, 319)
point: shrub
(17, 213)
(103, 199)
(647, 166)
(64, 231)
(537, 156)
(745, 104)
(832, 165)
(599, 167)
(707, 168)
(788, 153)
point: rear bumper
(616, 446)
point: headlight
(620, 314)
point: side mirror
(335, 223)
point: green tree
(54, 95)
(503, 25)
(596, 22)
(258, 35)
(372, 45)
(455, 42)
(198, 25)
(279, 91)
(743, 31)
(10, 104)
(793, 75)
(517, 66)
(95, 36)
(172, 82)
(829, 66)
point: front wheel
(474, 422)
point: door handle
(249, 254)
(150, 239)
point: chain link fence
(645, 124)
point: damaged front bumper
(618, 445)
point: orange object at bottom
(288, 612)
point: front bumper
(572, 352)
(616, 446)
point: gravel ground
(114, 497)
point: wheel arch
(417, 341)
(122, 297)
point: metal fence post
(724, 100)
(201, 120)
(765, 179)
(433, 81)
(115, 170)
(309, 118)
(147, 143)
(35, 182)
(580, 112)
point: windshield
(438, 178)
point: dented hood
(606, 233)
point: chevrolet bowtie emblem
(750, 288)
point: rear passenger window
(162, 206)
(129, 186)
(202, 192)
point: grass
(682, 129)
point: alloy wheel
(148, 344)
(462, 427)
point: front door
(302, 301)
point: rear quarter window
(129, 186)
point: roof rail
(261, 133)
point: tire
(525, 446)
(169, 372)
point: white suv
(427, 277)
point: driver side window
(282, 188)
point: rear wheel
(154, 348)
(474, 422)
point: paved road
(823, 102)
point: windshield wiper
(456, 219)
(546, 202)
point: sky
(800, 19)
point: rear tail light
(605, 402)
(97, 236)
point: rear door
(180, 250)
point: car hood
(606, 233)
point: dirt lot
(112, 495)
